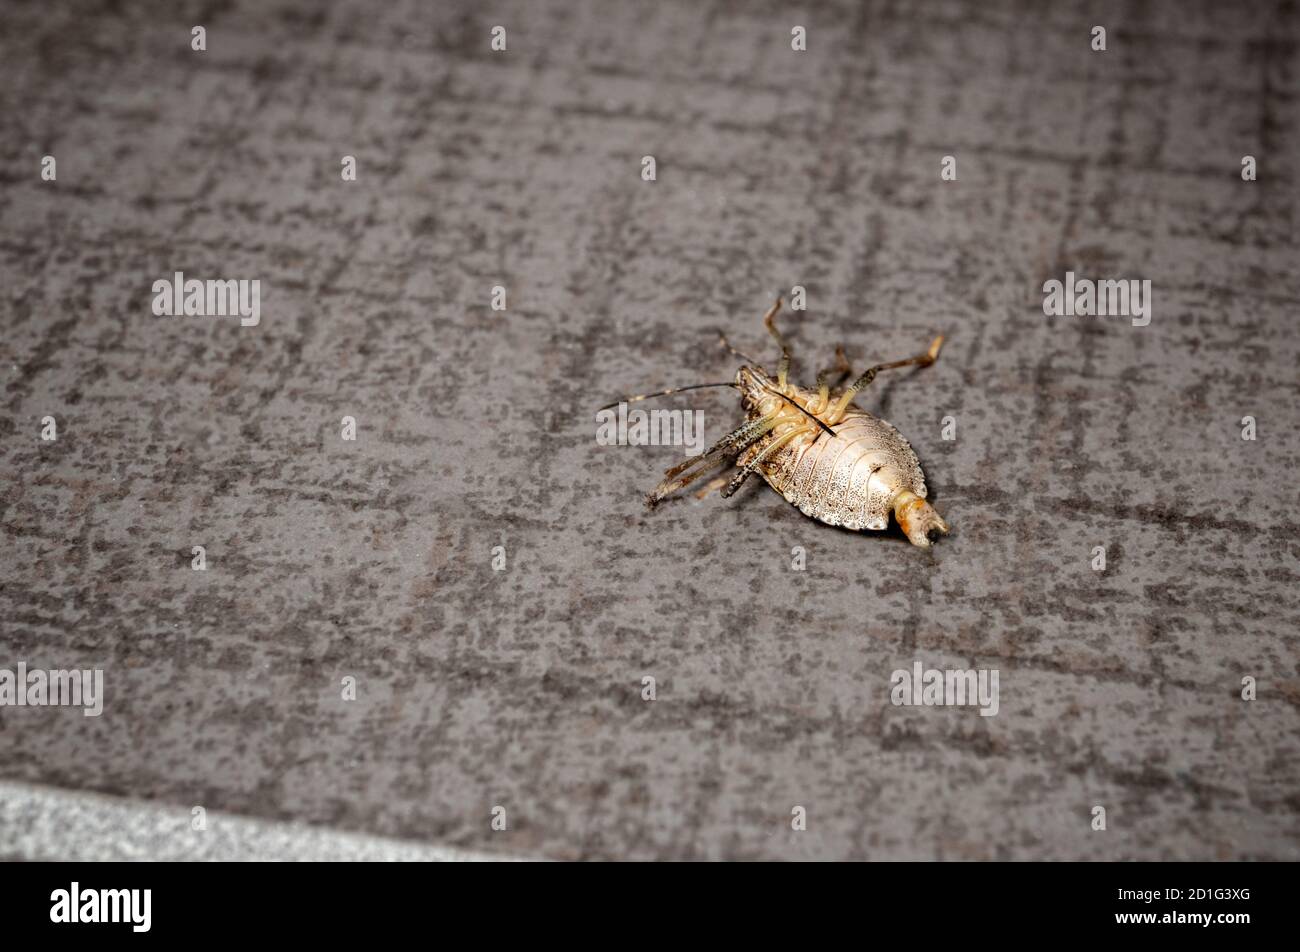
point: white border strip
(46, 823)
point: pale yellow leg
(783, 370)
(923, 360)
(712, 485)
(824, 380)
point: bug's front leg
(767, 453)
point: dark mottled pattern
(522, 688)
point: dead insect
(835, 462)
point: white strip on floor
(46, 823)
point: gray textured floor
(522, 688)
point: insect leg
(716, 483)
(758, 460)
(735, 441)
(729, 446)
(923, 360)
(784, 370)
(831, 377)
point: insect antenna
(664, 393)
(739, 353)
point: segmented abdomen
(849, 480)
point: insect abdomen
(850, 480)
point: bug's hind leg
(922, 360)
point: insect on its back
(836, 463)
(847, 480)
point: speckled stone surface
(522, 688)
